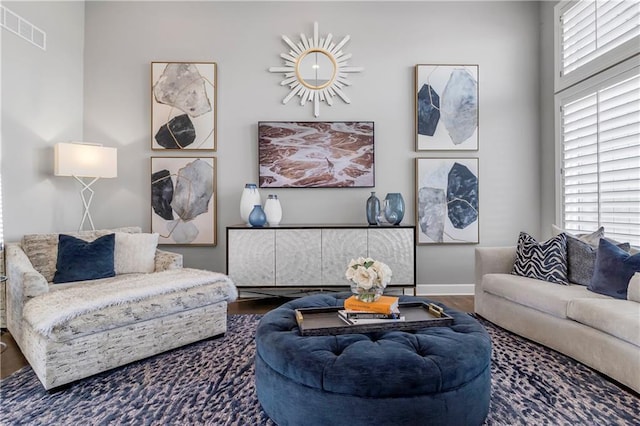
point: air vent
(22, 28)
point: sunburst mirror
(316, 70)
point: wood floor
(11, 358)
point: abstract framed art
(446, 107)
(183, 106)
(447, 201)
(183, 200)
(316, 154)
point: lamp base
(86, 201)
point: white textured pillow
(135, 253)
(592, 238)
(633, 292)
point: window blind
(601, 160)
(591, 28)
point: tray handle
(436, 310)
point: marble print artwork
(183, 106)
(183, 200)
(446, 107)
(316, 154)
(447, 201)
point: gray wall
(387, 39)
(547, 118)
(42, 103)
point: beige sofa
(599, 331)
(74, 330)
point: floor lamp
(85, 161)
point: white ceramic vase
(273, 210)
(250, 197)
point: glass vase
(257, 218)
(373, 209)
(381, 219)
(368, 295)
(394, 208)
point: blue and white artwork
(447, 202)
(183, 200)
(446, 107)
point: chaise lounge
(72, 330)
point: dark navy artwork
(428, 110)
(462, 196)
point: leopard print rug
(211, 383)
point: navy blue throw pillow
(614, 268)
(79, 260)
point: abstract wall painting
(316, 154)
(183, 200)
(183, 106)
(447, 200)
(446, 107)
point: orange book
(384, 305)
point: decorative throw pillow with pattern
(545, 261)
(581, 258)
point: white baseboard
(444, 289)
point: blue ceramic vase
(394, 208)
(257, 218)
(373, 209)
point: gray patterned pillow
(581, 258)
(545, 261)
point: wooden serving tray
(325, 321)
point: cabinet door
(251, 257)
(339, 246)
(298, 257)
(395, 247)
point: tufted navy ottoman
(434, 376)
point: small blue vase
(373, 209)
(394, 211)
(257, 218)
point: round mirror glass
(316, 69)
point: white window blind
(601, 159)
(590, 28)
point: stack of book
(384, 309)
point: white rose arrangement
(368, 276)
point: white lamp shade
(82, 160)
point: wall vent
(22, 28)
